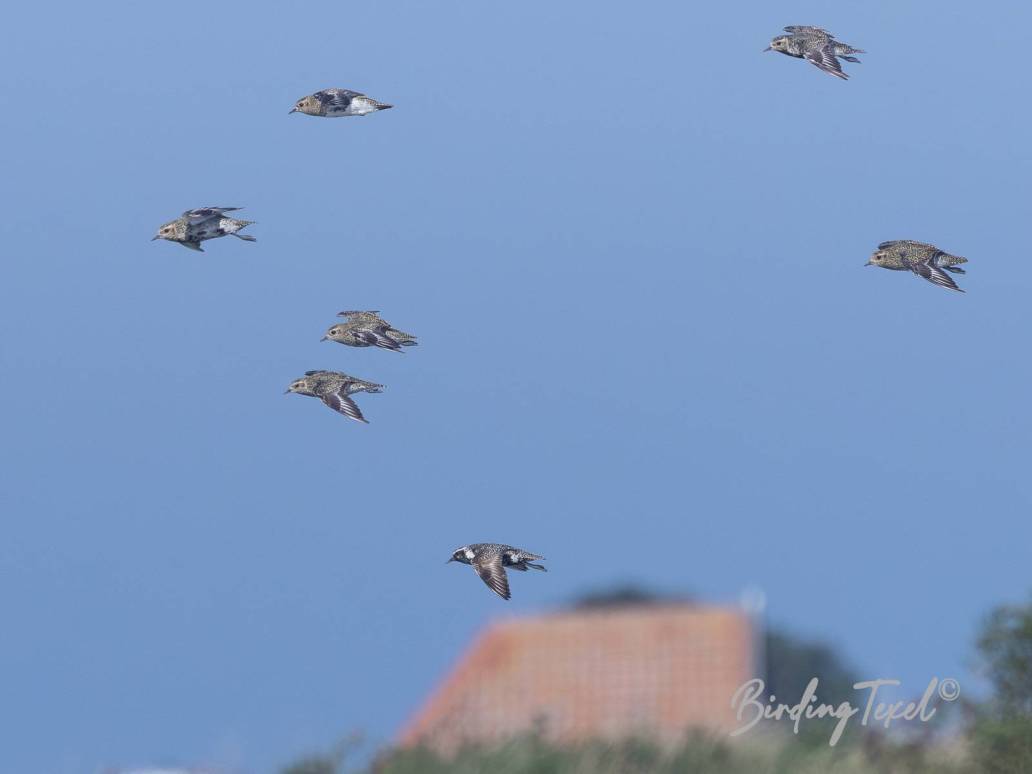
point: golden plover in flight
(195, 226)
(334, 389)
(816, 46)
(490, 561)
(924, 260)
(368, 329)
(333, 103)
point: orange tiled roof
(595, 674)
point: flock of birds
(368, 329)
(819, 47)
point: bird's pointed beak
(868, 264)
(768, 48)
(154, 237)
(324, 338)
(292, 110)
(452, 559)
(286, 392)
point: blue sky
(632, 248)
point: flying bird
(923, 259)
(334, 389)
(368, 329)
(333, 103)
(196, 226)
(816, 46)
(490, 561)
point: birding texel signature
(747, 700)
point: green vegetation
(1002, 732)
(699, 754)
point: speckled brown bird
(817, 46)
(334, 389)
(196, 226)
(921, 258)
(333, 103)
(368, 329)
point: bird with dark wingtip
(334, 389)
(490, 560)
(196, 226)
(334, 103)
(923, 259)
(368, 329)
(817, 46)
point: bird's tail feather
(948, 262)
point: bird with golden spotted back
(368, 329)
(817, 46)
(335, 390)
(335, 103)
(921, 258)
(204, 223)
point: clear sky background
(632, 247)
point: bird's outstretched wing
(376, 337)
(490, 570)
(824, 58)
(936, 275)
(804, 28)
(201, 214)
(342, 403)
(336, 97)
